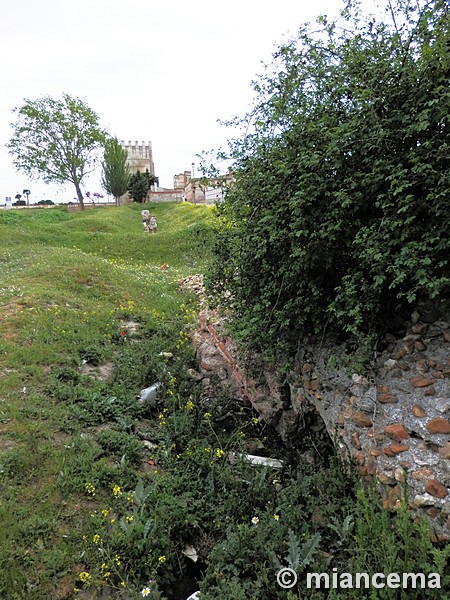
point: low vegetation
(103, 497)
(337, 221)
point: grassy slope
(66, 282)
(68, 285)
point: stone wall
(393, 420)
(166, 196)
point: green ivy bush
(338, 214)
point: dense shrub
(338, 215)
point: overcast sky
(162, 71)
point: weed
(83, 500)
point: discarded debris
(273, 463)
(150, 445)
(166, 354)
(150, 395)
(190, 552)
(194, 596)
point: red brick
(397, 448)
(383, 389)
(387, 398)
(355, 441)
(436, 489)
(371, 467)
(438, 425)
(359, 457)
(408, 347)
(420, 346)
(444, 452)
(394, 500)
(397, 432)
(418, 411)
(422, 381)
(384, 478)
(422, 474)
(362, 420)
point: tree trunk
(117, 200)
(79, 194)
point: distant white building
(214, 194)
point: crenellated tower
(140, 156)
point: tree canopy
(57, 140)
(115, 170)
(140, 184)
(339, 212)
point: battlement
(140, 156)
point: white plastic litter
(273, 463)
(150, 395)
(190, 552)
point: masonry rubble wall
(392, 421)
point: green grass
(86, 511)
(68, 282)
(112, 233)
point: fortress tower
(140, 156)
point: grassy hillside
(69, 284)
(103, 498)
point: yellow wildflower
(90, 489)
